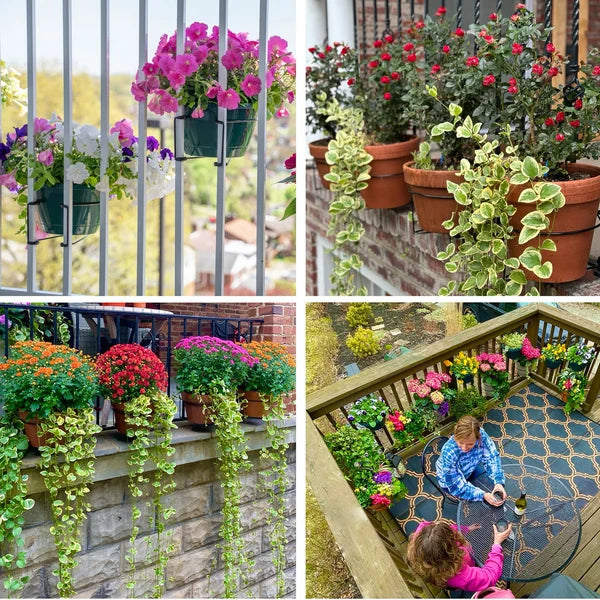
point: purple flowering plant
(205, 363)
(369, 411)
(190, 79)
(47, 162)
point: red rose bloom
(395, 75)
(517, 48)
(578, 104)
(489, 38)
(560, 137)
(459, 32)
(549, 122)
(386, 56)
(575, 123)
(411, 58)
(435, 69)
(514, 18)
(472, 61)
(537, 69)
(596, 70)
(385, 79)
(550, 49)
(493, 17)
(560, 117)
(408, 46)
(441, 11)
(553, 72)
(420, 24)
(389, 38)
(328, 48)
(387, 96)
(377, 43)
(446, 49)
(312, 49)
(344, 50)
(351, 81)
(489, 80)
(321, 55)
(373, 64)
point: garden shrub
(363, 342)
(359, 314)
(468, 401)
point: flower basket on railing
(369, 412)
(190, 80)
(86, 209)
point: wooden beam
(371, 565)
(559, 31)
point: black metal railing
(94, 329)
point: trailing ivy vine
(348, 176)
(67, 466)
(275, 481)
(150, 421)
(13, 503)
(233, 460)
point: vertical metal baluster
(179, 208)
(355, 41)
(477, 11)
(221, 152)
(387, 14)
(375, 19)
(168, 359)
(31, 104)
(142, 133)
(412, 10)
(68, 143)
(364, 27)
(459, 14)
(426, 8)
(104, 115)
(498, 6)
(574, 61)
(261, 164)
(399, 9)
(548, 14)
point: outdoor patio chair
(430, 454)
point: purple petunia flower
(4, 152)
(127, 153)
(4, 319)
(166, 152)
(382, 477)
(443, 409)
(21, 131)
(152, 143)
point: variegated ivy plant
(482, 227)
(348, 176)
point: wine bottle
(520, 504)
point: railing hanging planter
(86, 209)
(431, 199)
(201, 135)
(387, 188)
(572, 226)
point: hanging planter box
(433, 203)
(387, 188)
(86, 209)
(201, 135)
(317, 150)
(198, 408)
(572, 226)
(577, 367)
(553, 364)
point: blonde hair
(435, 553)
(467, 427)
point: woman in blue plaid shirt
(465, 456)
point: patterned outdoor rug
(531, 426)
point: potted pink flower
(494, 375)
(190, 79)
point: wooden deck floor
(585, 565)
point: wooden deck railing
(372, 544)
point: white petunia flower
(77, 173)
(87, 140)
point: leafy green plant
(275, 480)
(572, 384)
(580, 354)
(150, 421)
(468, 401)
(22, 323)
(368, 411)
(233, 460)
(409, 426)
(483, 227)
(67, 466)
(13, 503)
(359, 314)
(274, 373)
(513, 341)
(422, 157)
(348, 176)
(363, 342)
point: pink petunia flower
(213, 91)
(46, 157)
(197, 113)
(232, 59)
(186, 64)
(8, 180)
(282, 112)
(251, 85)
(125, 131)
(229, 99)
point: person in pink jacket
(440, 555)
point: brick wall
(404, 259)
(102, 568)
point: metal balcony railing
(32, 282)
(95, 328)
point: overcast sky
(162, 16)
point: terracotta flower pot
(254, 408)
(387, 188)
(317, 150)
(198, 408)
(113, 304)
(579, 213)
(31, 430)
(120, 423)
(433, 203)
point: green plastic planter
(86, 209)
(201, 135)
(553, 363)
(577, 367)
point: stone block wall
(195, 569)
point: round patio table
(543, 540)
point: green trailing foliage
(13, 504)
(67, 467)
(150, 424)
(482, 227)
(348, 176)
